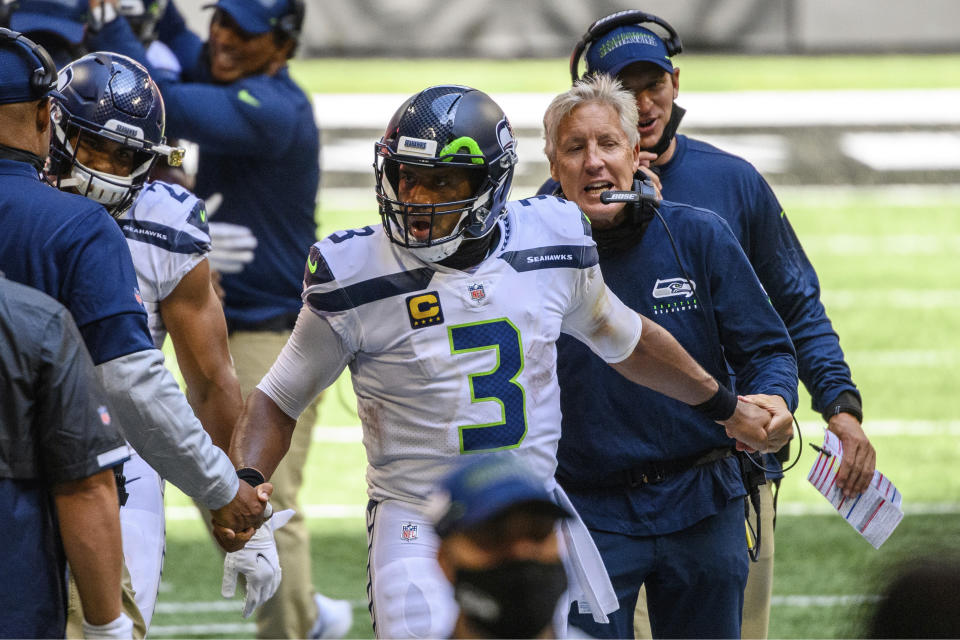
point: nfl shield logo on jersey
(104, 415)
(477, 294)
(408, 532)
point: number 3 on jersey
(497, 385)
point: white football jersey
(448, 363)
(166, 230)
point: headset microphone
(643, 192)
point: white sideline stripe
(705, 109)
(218, 606)
(357, 511)
(353, 433)
(165, 630)
(822, 601)
(918, 509)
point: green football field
(887, 260)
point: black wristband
(721, 406)
(251, 476)
(846, 402)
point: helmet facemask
(432, 231)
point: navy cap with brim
(624, 46)
(250, 16)
(481, 491)
(29, 22)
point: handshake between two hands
(760, 423)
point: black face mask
(676, 115)
(515, 599)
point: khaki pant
(756, 596)
(75, 609)
(292, 611)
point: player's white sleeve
(156, 419)
(311, 361)
(600, 319)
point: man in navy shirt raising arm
(657, 484)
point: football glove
(122, 627)
(259, 564)
(231, 247)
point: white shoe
(334, 618)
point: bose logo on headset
(43, 80)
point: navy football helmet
(107, 97)
(446, 126)
(143, 16)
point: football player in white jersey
(108, 132)
(447, 314)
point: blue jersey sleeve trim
(380, 288)
(555, 257)
(116, 336)
(163, 236)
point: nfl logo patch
(476, 291)
(136, 294)
(104, 415)
(408, 532)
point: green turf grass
(697, 73)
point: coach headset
(605, 25)
(43, 79)
(291, 23)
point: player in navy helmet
(439, 130)
(108, 126)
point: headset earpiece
(608, 23)
(291, 24)
(43, 80)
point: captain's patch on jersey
(424, 310)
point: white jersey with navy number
(166, 230)
(447, 363)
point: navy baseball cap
(254, 16)
(65, 18)
(483, 489)
(625, 45)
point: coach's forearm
(89, 519)
(660, 363)
(262, 435)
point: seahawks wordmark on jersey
(166, 230)
(448, 363)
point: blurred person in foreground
(921, 599)
(659, 487)
(447, 314)
(499, 533)
(58, 445)
(108, 123)
(69, 247)
(696, 173)
(259, 168)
